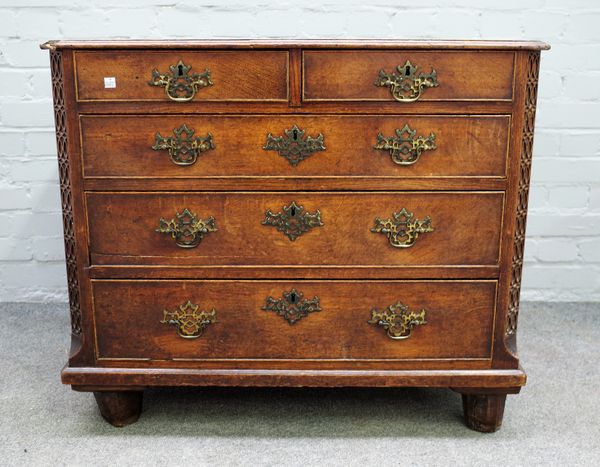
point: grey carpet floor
(554, 421)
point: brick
(278, 22)
(568, 57)
(546, 143)
(560, 277)
(422, 23)
(556, 250)
(24, 224)
(538, 197)
(25, 53)
(550, 84)
(38, 24)
(583, 27)
(9, 27)
(119, 22)
(371, 23)
(451, 24)
(86, 24)
(14, 83)
(175, 23)
(324, 24)
(544, 25)
(49, 249)
(41, 86)
(590, 250)
(571, 170)
(12, 144)
(45, 225)
(40, 274)
(530, 254)
(583, 86)
(569, 115)
(563, 225)
(12, 249)
(45, 170)
(11, 222)
(580, 144)
(27, 114)
(41, 143)
(594, 203)
(501, 25)
(45, 198)
(37, 3)
(569, 197)
(14, 198)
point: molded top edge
(291, 43)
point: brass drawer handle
(292, 305)
(404, 148)
(402, 229)
(179, 84)
(407, 85)
(183, 148)
(293, 145)
(187, 229)
(397, 320)
(293, 221)
(190, 322)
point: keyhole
(293, 211)
(407, 70)
(295, 135)
(293, 297)
(180, 68)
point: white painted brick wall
(563, 244)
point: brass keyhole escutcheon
(186, 228)
(189, 320)
(405, 147)
(292, 306)
(294, 145)
(293, 220)
(183, 146)
(402, 229)
(398, 320)
(180, 83)
(406, 84)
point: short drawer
(354, 75)
(234, 76)
(295, 228)
(352, 146)
(212, 320)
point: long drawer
(360, 75)
(223, 75)
(204, 320)
(295, 228)
(360, 146)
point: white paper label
(110, 82)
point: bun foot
(483, 412)
(120, 408)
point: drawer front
(235, 75)
(161, 146)
(320, 229)
(329, 320)
(460, 75)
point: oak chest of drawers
(294, 214)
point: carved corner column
(524, 175)
(60, 119)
